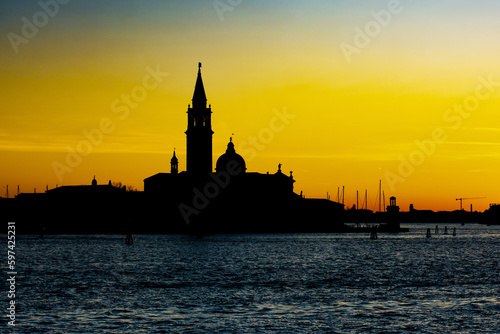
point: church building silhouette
(231, 199)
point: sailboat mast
(380, 196)
(383, 196)
(343, 188)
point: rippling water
(289, 283)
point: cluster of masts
(364, 204)
(381, 199)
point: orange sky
(359, 103)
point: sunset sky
(407, 92)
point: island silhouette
(200, 200)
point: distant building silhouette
(94, 188)
(392, 208)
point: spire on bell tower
(199, 97)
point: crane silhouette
(466, 198)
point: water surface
(275, 283)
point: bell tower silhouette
(199, 132)
(174, 165)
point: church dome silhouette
(230, 157)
